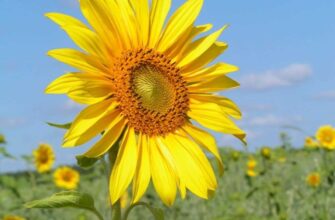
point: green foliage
(277, 194)
(65, 199)
(28, 158)
(5, 154)
(156, 212)
(85, 162)
(61, 126)
(2, 139)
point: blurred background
(285, 51)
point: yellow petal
(86, 40)
(213, 71)
(79, 60)
(118, 24)
(129, 20)
(141, 8)
(158, 13)
(189, 168)
(163, 175)
(211, 116)
(200, 158)
(205, 140)
(88, 118)
(96, 12)
(213, 84)
(109, 138)
(207, 57)
(81, 87)
(70, 81)
(198, 47)
(98, 127)
(142, 174)
(227, 105)
(63, 20)
(178, 48)
(90, 93)
(179, 22)
(124, 167)
(80, 34)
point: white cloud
(257, 107)
(328, 95)
(11, 122)
(286, 76)
(272, 120)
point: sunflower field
(271, 183)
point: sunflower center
(154, 89)
(67, 177)
(151, 91)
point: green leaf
(156, 212)
(86, 162)
(28, 158)
(2, 139)
(4, 153)
(66, 199)
(62, 126)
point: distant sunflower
(326, 136)
(66, 178)
(311, 143)
(44, 158)
(252, 163)
(251, 173)
(13, 217)
(144, 83)
(313, 179)
(235, 155)
(266, 152)
(251, 166)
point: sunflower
(67, 178)
(145, 82)
(235, 155)
(251, 164)
(311, 143)
(326, 136)
(44, 158)
(266, 152)
(251, 173)
(313, 179)
(13, 217)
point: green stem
(97, 214)
(116, 208)
(117, 211)
(151, 209)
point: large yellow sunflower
(145, 82)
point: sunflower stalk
(112, 154)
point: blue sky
(285, 51)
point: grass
(278, 192)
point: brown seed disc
(151, 91)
